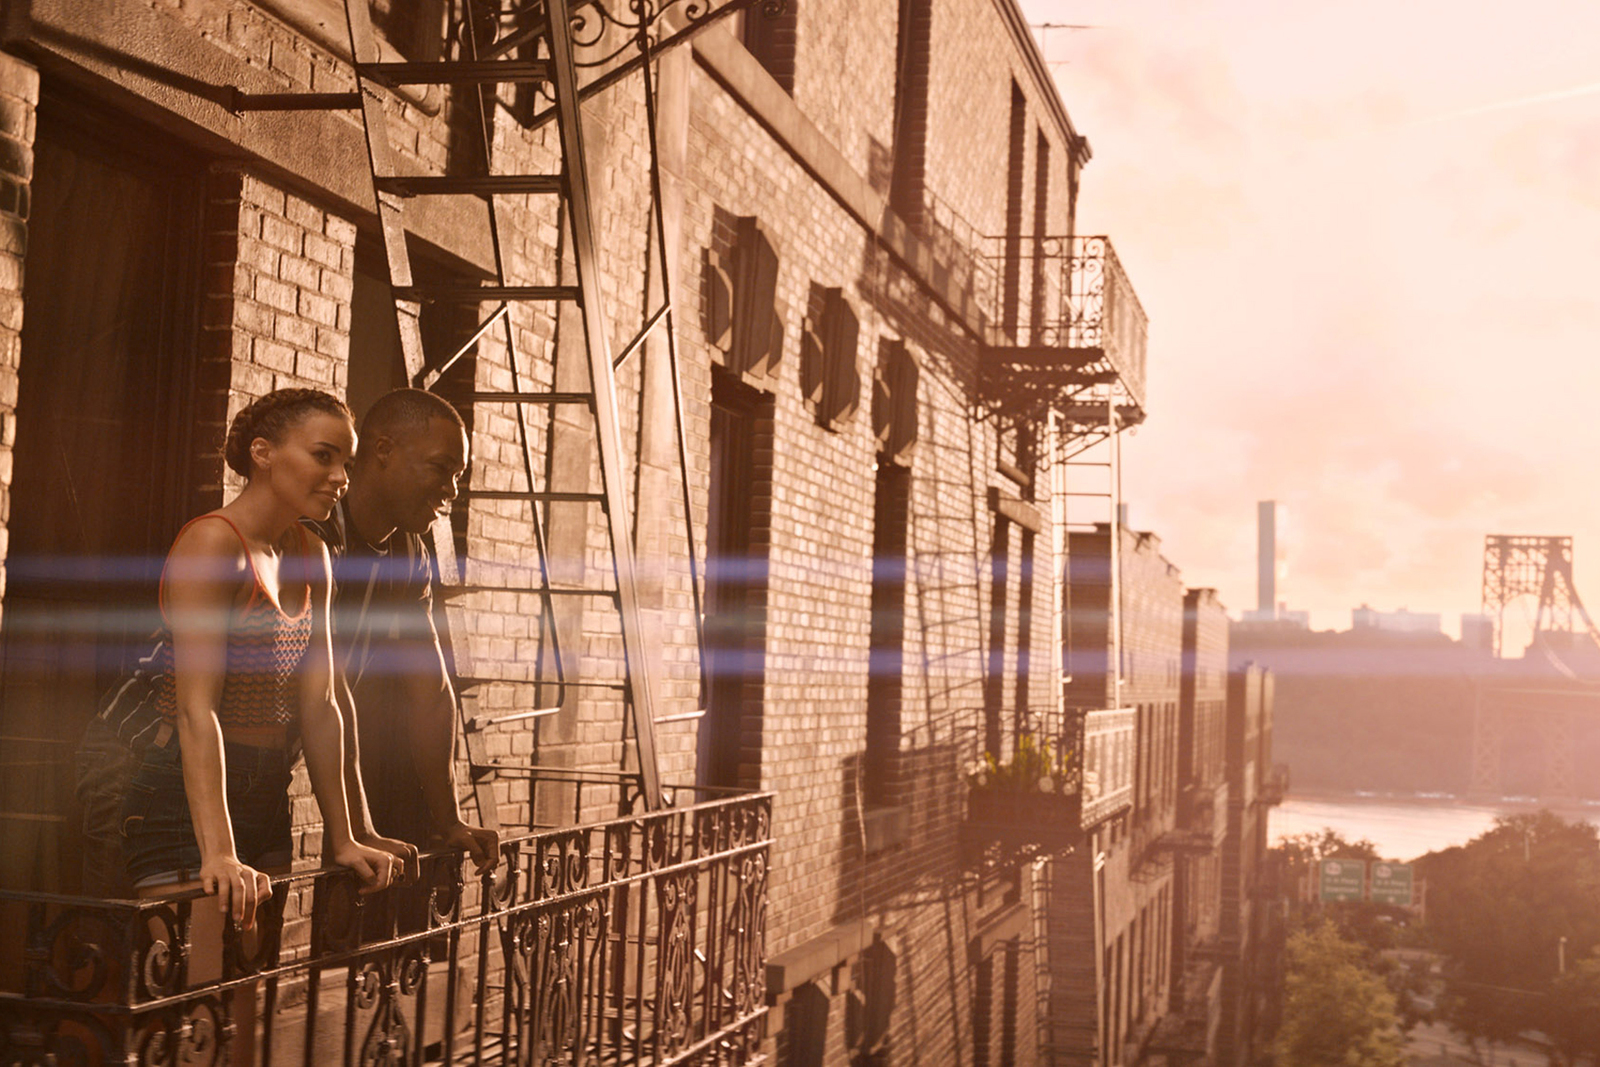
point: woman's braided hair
(271, 416)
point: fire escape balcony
(637, 940)
(1070, 334)
(1275, 785)
(1202, 819)
(1062, 780)
(1200, 829)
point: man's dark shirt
(382, 604)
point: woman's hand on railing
(376, 868)
(404, 852)
(239, 888)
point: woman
(245, 599)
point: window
(1038, 297)
(771, 39)
(805, 1027)
(994, 682)
(416, 28)
(912, 52)
(894, 401)
(737, 508)
(740, 311)
(830, 384)
(1012, 282)
(982, 1011)
(891, 501)
(871, 1007)
(1025, 629)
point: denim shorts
(158, 832)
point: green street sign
(1391, 884)
(1343, 880)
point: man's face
(421, 471)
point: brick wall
(1138, 890)
(278, 272)
(280, 259)
(19, 95)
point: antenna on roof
(1046, 27)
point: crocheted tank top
(265, 650)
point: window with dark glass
(771, 38)
(885, 684)
(1011, 294)
(913, 51)
(735, 578)
(740, 311)
(894, 401)
(830, 384)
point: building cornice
(1032, 58)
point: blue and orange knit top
(266, 648)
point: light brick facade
(871, 902)
(19, 96)
(1131, 862)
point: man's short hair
(406, 411)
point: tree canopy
(1507, 909)
(1336, 1012)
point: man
(400, 739)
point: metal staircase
(532, 44)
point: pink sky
(1369, 246)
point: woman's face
(308, 468)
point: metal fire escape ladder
(557, 72)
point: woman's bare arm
(204, 573)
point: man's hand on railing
(377, 869)
(480, 842)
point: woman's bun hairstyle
(270, 417)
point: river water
(1402, 828)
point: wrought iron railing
(612, 39)
(638, 940)
(1070, 293)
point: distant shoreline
(1445, 800)
(1405, 826)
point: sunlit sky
(1367, 235)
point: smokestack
(1271, 565)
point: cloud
(1389, 324)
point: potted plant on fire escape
(1030, 802)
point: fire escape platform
(1081, 351)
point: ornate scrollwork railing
(638, 940)
(604, 32)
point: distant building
(1403, 621)
(1280, 619)
(1272, 568)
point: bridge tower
(1514, 568)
